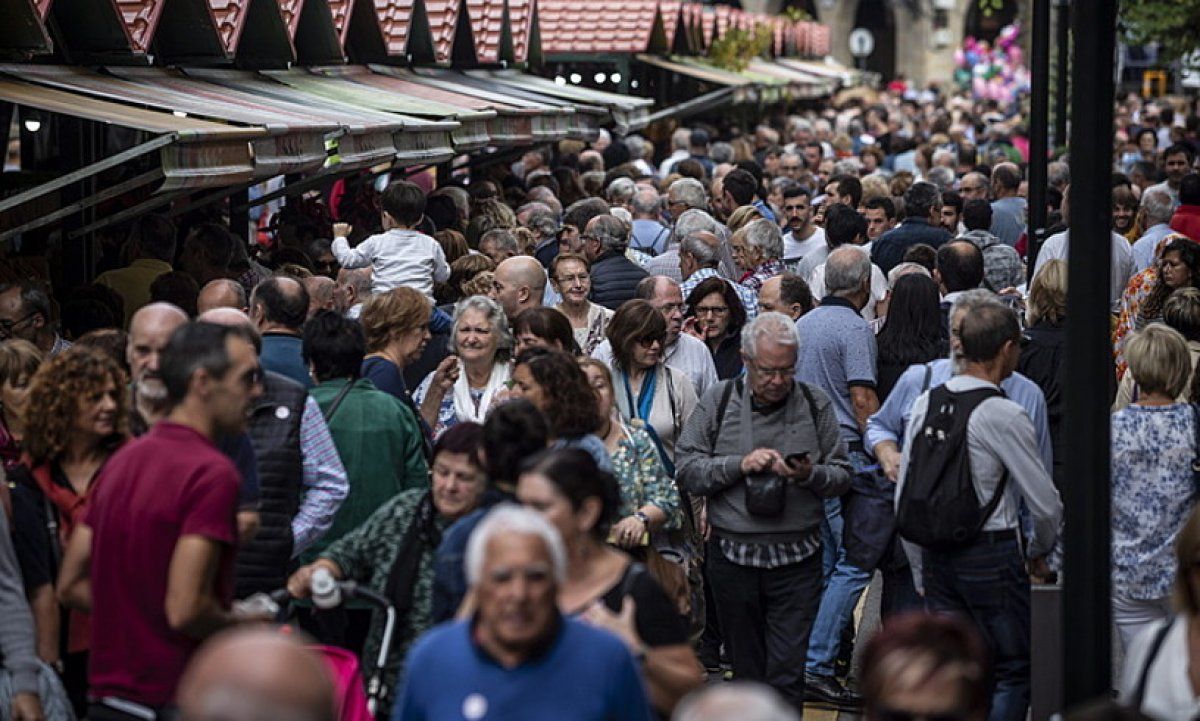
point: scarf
(465, 408)
(421, 535)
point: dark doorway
(985, 23)
(878, 17)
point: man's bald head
(221, 293)
(247, 675)
(149, 330)
(320, 293)
(518, 283)
(279, 304)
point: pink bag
(348, 683)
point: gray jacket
(16, 621)
(709, 454)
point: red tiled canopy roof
(141, 20)
(596, 26)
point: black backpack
(938, 507)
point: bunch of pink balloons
(993, 72)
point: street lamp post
(1086, 591)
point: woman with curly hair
(1178, 267)
(80, 422)
(553, 382)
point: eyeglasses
(717, 310)
(252, 377)
(8, 326)
(669, 308)
(578, 278)
(971, 189)
(675, 202)
(780, 373)
(649, 340)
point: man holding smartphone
(765, 451)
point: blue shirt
(282, 354)
(1008, 219)
(889, 421)
(586, 674)
(837, 351)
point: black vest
(263, 563)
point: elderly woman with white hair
(467, 383)
(758, 251)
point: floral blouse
(1152, 494)
(643, 479)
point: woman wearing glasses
(569, 274)
(648, 393)
(716, 316)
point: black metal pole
(1062, 41)
(1086, 592)
(1039, 129)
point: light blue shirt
(1143, 249)
(890, 420)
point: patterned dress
(1152, 495)
(367, 555)
(643, 479)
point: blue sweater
(585, 675)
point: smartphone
(795, 459)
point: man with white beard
(150, 329)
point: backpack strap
(726, 394)
(812, 411)
(989, 508)
(1139, 691)
(928, 377)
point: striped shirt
(770, 555)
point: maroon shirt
(169, 483)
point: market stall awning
(192, 154)
(745, 89)
(294, 143)
(416, 141)
(512, 125)
(827, 69)
(470, 135)
(628, 112)
(551, 123)
(800, 83)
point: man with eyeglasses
(518, 656)
(764, 451)
(25, 314)
(973, 186)
(153, 559)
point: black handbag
(765, 494)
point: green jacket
(379, 441)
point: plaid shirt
(770, 555)
(324, 480)
(755, 279)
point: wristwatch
(642, 517)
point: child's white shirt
(397, 257)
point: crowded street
(392, 362)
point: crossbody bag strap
(337, 401)
(1139, 691)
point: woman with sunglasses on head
(648, 393)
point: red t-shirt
(169, 483)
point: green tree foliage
(1172, 24)
(736, 48)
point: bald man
(320, 293)
(149, 330)
(353, 289)
(279, 307)
(518, 283)
(221, 293)
(254, 674)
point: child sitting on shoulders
(400, 255)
